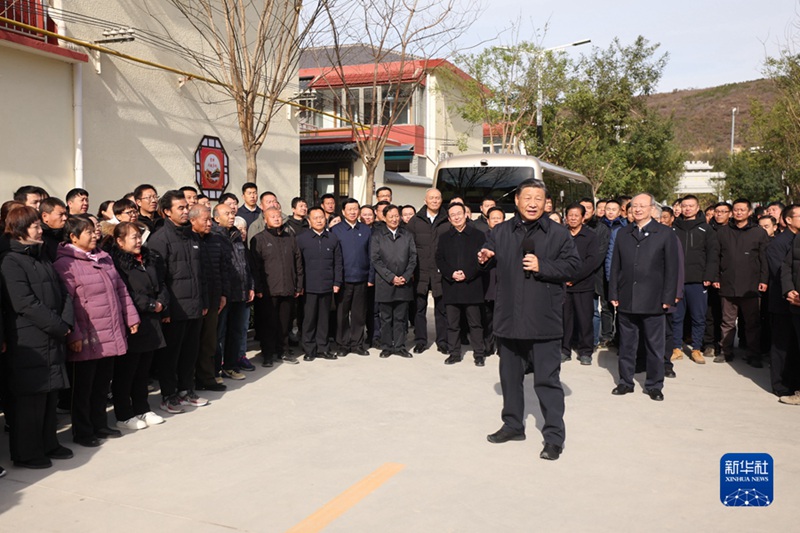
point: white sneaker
(132, 424)
(151, 419)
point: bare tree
(250, 48)
(402, 41)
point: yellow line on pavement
(347, 499)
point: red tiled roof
(378, 74)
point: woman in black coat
(139, 268)
(38, 314)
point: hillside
(703, 116)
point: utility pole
(733, 125)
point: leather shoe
(267, 363)
(107, 433)
(504, 435)
(342, 353)
(62, 452)
(35, 464)
(550, 452)
(308, 358)
(402, 352)
(480, 361)
(216, 387)
(88, 442)
(670, 373)
(655, 394)
(419, 348)
(385, 353)
(453, 359)
(360, 351)
(621, 389)
(442, 350)
(329, 355)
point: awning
(404, 178)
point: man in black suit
(642, 286)
(533, 257)
(462, 283)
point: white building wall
(139, 124)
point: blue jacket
(355, 250)
(322, 261)
(613, 227)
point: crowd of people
(156, 292)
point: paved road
(276, 448)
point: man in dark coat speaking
(533, 257)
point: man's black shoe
(385, 353)
(107, 433)
(550, 452)
(442, 350)
(88, 442)
(566, 357)
(419, 348)
(328, 355)
(360, 351)
(480, 361)
(34, 463)
(669, 373)
(62, 452)
(214, 386)
(402, 352)
(267, 363)
(620, 389)
(308, 358)
(585, 360)
(289, 359)
(453, 359)
(342, 353)
(504, 435)
(655, 394)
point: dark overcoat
(393, 255)
(458, 250)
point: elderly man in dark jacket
(278, 276)
(701, 267)
(743, 274)
(185, 278)
(578, 312)
(462, 282)
(643, 286)
(322, 266)
(217, 259)
(394, 257)
(790, 287)
(235, 316)
(784, 355)
(426, 226)
(533, 257)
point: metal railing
(30, 12)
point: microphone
(528, 247)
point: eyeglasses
(149, 198)
(129, 212)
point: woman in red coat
(104, 313)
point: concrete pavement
(275, 448)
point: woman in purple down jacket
(104, 313)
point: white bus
(473, 177)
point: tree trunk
(252, 164)
(370, 178)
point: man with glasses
(642, 287)
(146, 199)
(743, 274)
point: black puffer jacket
(742, 260)
(38, 315)
(145, 283)
(276, 263)
(184, 275)
(700, 249)
(240, 281)
(217, 257)
(426, 235)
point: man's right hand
(484, 255)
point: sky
(709, 43)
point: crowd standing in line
(156, 291)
